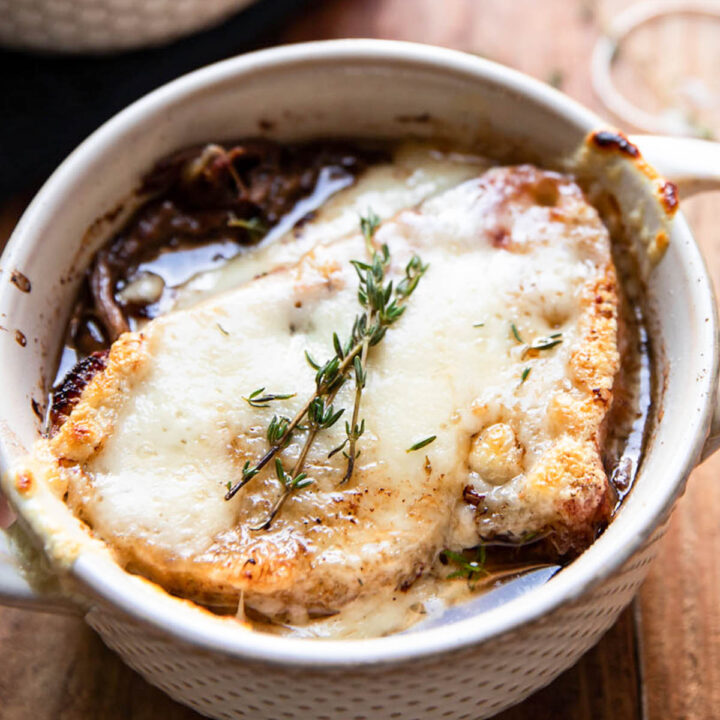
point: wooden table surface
(661, 660)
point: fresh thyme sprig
(472, 570)
(383, 304)
(541, 343)
(544, 343)
(328, 380)
(538, 344)
(321, 416)
(258, 400)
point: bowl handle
(15, 590)
(694, 166)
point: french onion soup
(333, 388)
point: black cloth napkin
(49, 103)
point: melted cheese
(417, 172)
(146, 455)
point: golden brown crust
(619, 176)
(566, 492)
(594, 361)
(92, 419)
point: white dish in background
(75, 26)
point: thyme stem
(275, 447)
(297, 469)
(383, 305)
(288, 489)
(359, 385)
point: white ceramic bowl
(468, 669)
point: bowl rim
(109, 582)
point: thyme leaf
(545, 343)
(515, 333)
(277, 429)
(368, 226)
(340, 447)
(313, 363)
(421, 444)
(258, 400)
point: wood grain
(56, 668)
(661, 661)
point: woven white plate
(105, 25)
